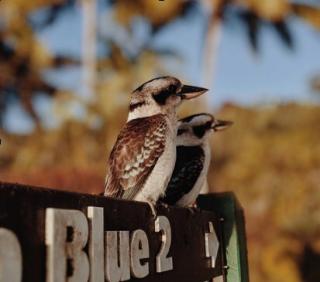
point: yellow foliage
(271, 10)
(269, 158)
(308, 13)
(158, 12)
(277, 259)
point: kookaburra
(143, 157)
(193, 158)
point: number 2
(163, 263)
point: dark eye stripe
(136, 105)
(162, 96)
(200, 130)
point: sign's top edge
(17, 187)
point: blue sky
(276, 74)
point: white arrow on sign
(212, 245)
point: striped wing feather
(135, 153)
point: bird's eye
(199, 131)
(181, 131)
(162, 96)
(208, 125)
(172, 88)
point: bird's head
(194, 130)
(161, 95)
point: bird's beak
(189, 92)
(219, 125)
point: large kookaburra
(143, 157)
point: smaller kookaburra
(142, 160)
(193, 158)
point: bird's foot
(164, 205)
(193, 208)
(152, 206)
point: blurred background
(67, 68)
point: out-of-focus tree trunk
(89, 27)
(210, 52)
(211, 46)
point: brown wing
(136, 151)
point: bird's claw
(164, 205)
(193, 208)
(153, 209)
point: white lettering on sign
(212, 245)
(114, 255)
(139, 250)
(66, 236)
(10, 257)
(96, 244)
(117, 256)
(163, 263)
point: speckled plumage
(143, 157)
(139, 145)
